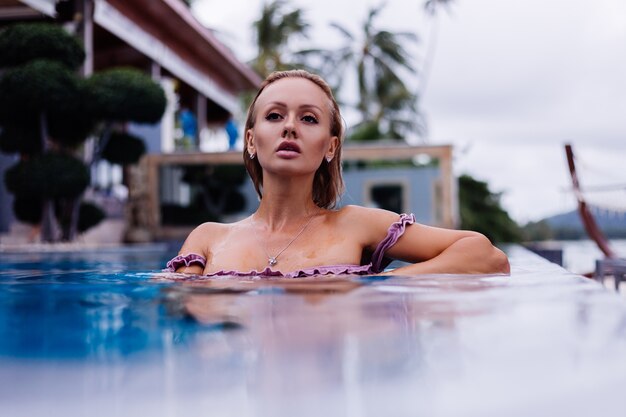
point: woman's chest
(246, 251)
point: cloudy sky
(510, 82)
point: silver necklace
(273, 260)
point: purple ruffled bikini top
(376, 265)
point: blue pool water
(85, 306)
(113, 305)
(107, 334)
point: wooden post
(201, 116)
(587, 218)
(448, 195)
(88, 37)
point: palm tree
(273, 32)
(387, 106)
(431, 7)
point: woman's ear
(332, 148)
(250, 142)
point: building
(203, 80)
(201, 77)
(417, 179)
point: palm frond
(432, 6)
(391, 49)
(293, 23)
(345, 32)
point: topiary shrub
(123, 149)
(24, 139)
(89, 215)
(36, 87)
(27, 209)
(25, 42)
(126, 94)
(45, 114)
(70, 124)
(48, 176)
(47, 110)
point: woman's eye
(309, 119)
(272, 116)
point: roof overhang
(166, 32)
(26, 9)
(47, 7)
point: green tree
(274, 31)
(40, 104)
(121, 95)
(47, 111)
(23, 43)
(537, 231)
(432, 8)
(377, 58)
(481, 211)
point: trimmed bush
(89, 215)
(175, 215)
(25, 42)
(48, 176)
(123, 149)
(28, 210)
(35, 87)
(21, 139)
(123, 94)
(72, 123)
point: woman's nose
(289, 129)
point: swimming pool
(103, 334)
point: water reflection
(496, 345)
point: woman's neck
(286, 203)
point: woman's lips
(288, 149)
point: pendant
(272, 261)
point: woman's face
(291, 133)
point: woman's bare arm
(455, 252)
(433, 250)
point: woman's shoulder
(209, 229)
(371, 223)
(200, 238)
(373, 216)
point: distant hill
(569, 226)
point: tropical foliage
(38, 87)
(118, 95)
(432, 6)
(47, 111)
(376, 60)
(379, 61)
(20, 44)
(274, 33)
(481, 211)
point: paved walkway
(108, 233)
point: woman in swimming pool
(292, 151)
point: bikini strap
(185, 260)
(396, 230)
